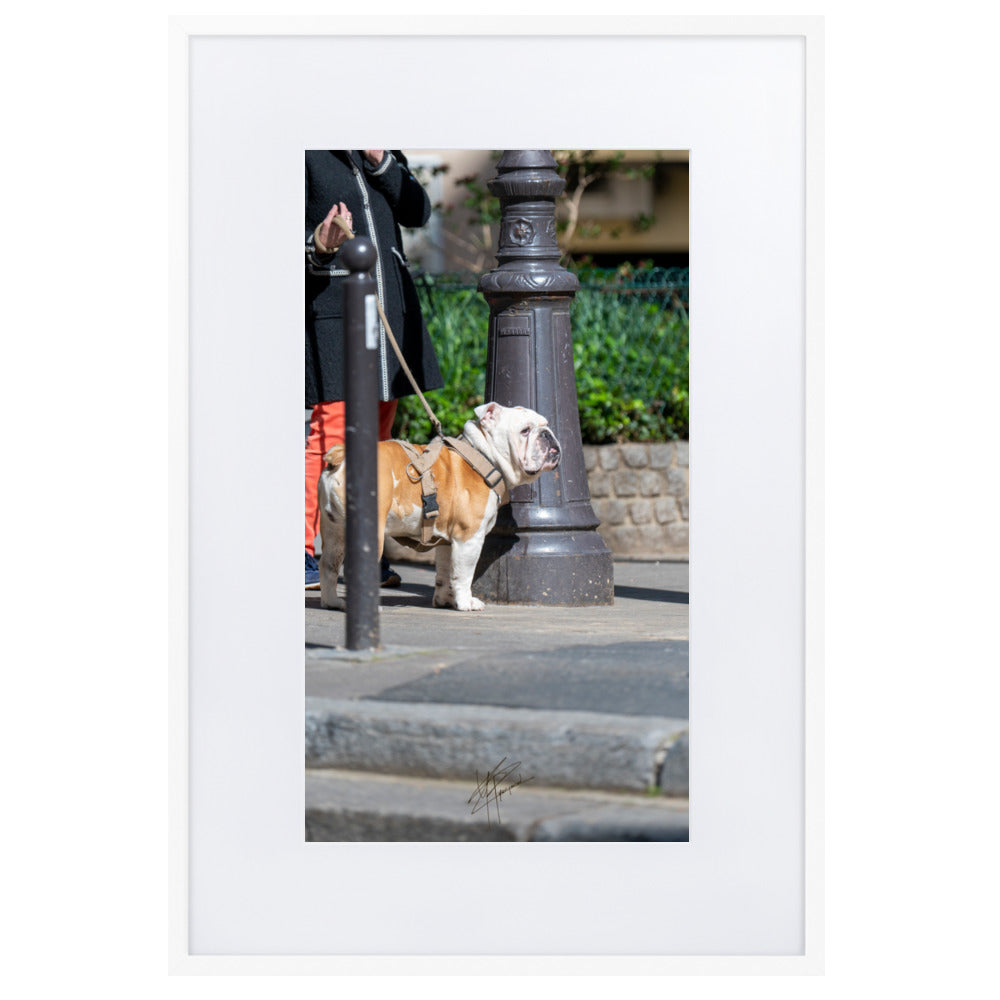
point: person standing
(373, 191)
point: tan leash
(392, 340)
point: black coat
(394, 199)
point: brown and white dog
(516, 440)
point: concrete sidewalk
(590, 703)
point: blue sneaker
(390, 578)
(312, 572)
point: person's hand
(329, 236)
(374, 156)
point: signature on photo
(499, 781)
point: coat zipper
(379, 279)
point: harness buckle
(430, 506)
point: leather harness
(419, 470)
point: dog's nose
(550, 448)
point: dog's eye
(525, 431)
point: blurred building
(637, 211)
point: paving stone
(599, 484)
(665, 509)
(661, 456)
(651, 483)
(676, 482)
(677, 533)
(625, 539)
(626, 483)
(611, 511)
(636, 456)
(640, 511)
(651, 538)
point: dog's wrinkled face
(521, 436)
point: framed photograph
(741, 889)
(557, 523)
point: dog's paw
(336, 604)
(448, 600)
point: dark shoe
(390, 578)
(312, 573)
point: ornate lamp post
(545, 548)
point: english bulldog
(517, 441)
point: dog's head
(519, 441)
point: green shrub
(457, 318)
(630, 355)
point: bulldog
(515, 440)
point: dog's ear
(488, 414)
(334, 456)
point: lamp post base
(559, 568)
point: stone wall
(640, 494)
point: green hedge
(457, 318)
(630, 354)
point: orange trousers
(326, 429)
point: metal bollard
(361, 443)
(545, 548)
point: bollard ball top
(358, 254)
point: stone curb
(559, 748)
(348, 806)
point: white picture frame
(248, 894)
